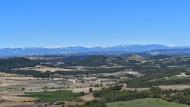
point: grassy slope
(148, 102)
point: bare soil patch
(175, 87)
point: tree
(90, 90)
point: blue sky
(51, 23)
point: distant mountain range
(122, 49)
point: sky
(63, 23)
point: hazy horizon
(171, 46)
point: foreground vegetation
(155, 97)
(147, 102)
(55, 96)
(112, 95)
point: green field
(55, 96)
(148, 102)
